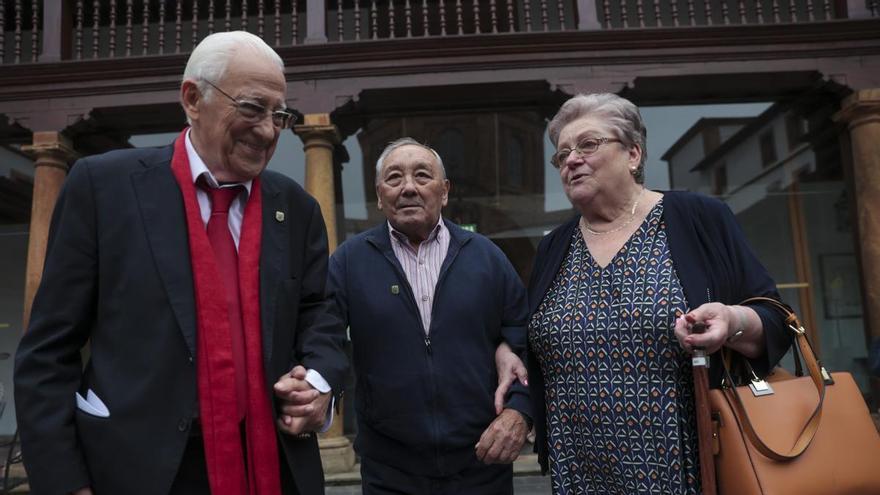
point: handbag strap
(812, 425)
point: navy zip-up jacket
(422, 403)
(713, 262)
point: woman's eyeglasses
(584, 148)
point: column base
(337, 455)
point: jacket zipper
(435, 406)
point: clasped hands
(303, 408)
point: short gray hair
(405, 141)
(209, 60)
(621, 114)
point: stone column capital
(861, 107)
(316, 130)
(52, 149)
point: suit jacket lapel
(161, 206)
(271, 252)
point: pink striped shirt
(421, 264)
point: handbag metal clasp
(826, 377)
(758, 386)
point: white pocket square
(92, 405)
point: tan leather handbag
(794, 435)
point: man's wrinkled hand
(303, 409)
(510, 369)
(502, 441)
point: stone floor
(522, 485)
(527, 479)
(525, 482)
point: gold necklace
(632, 216)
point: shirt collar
(402, 238)
(198, 168)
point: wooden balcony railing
(130, 28)
(371, 19)
(55, 30)
(674, 13)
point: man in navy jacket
(427, 305)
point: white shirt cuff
(316, 380)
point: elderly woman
(613, 296)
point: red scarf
(216, 370)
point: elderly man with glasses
(197, 278)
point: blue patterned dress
(619, 392)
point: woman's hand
(510, 369)
(723, 323)
(718, 320)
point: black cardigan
(713, 263)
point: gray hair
(405, 141)
(209, 60)
(621, 114)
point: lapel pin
(395, 289)
(279, 216)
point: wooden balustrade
(19, 41)
(620, 14)
(129, 28)
(157, 27)
(390, 19)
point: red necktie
(226, 256)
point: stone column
(51, 152)
(319, 137)
(861, 113)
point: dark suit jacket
(118, 276)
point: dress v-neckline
(593, 262)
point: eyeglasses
(253, 112)
(584, 148)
